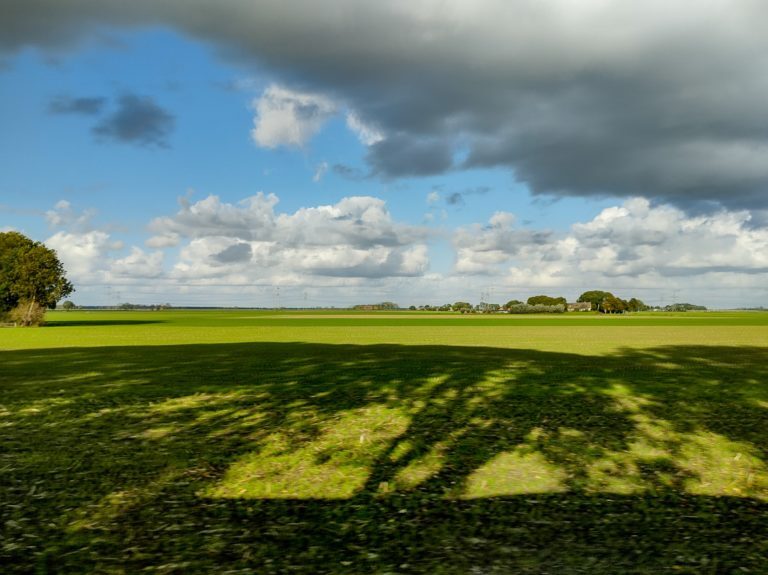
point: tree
(511, 303)
(546, 300)
(538, 308)
(31, 278)
(685, 307)
(462, 306)
(595, 297)
(68, 305)
(613, 304)
(635, 304)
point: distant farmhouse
(580, 306)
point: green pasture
(244, 441)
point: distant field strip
(581, 333)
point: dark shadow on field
(107, 452)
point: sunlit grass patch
(515, 473)
(417, 470)
(334, 464)
(719, 466)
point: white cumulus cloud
(636, 245)
(63, 215)
(83, 254)
(288, 118)
(354, 238)
(365, 132)
(138, 264)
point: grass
(241, 442)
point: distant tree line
(385, 305)
(606, 302)
(139, 306)
(598, 300)
(684, 307)
(444, 307)
(535, 304)
(535, 308)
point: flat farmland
(247, 441)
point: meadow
(242, 441)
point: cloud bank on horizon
(635, 248)
(660, 106)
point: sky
(337, 152)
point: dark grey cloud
(403, 155)
(458, 198)
(84, 106)
(137, 120)
(236, 253)
(348, 172)
(454, 199)
(576, 99)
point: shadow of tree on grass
(298, 457)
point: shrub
(27, 314)
(525, 308)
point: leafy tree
(595, 297)
(31, 278)
(525, 308)
(635, 304)
(546, 300)
(684, 307)
(613, 304)
(462, 306)
(68, 305)
(511, 303)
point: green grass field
(246, 441)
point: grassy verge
(645, 455)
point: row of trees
(606, 302)
(127, 306)
(598, 300)
(602, 301)
(32, 279)
(385, 305)
(684, 307)
(534, 304)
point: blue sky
(262, 156)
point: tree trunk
(28, 316)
